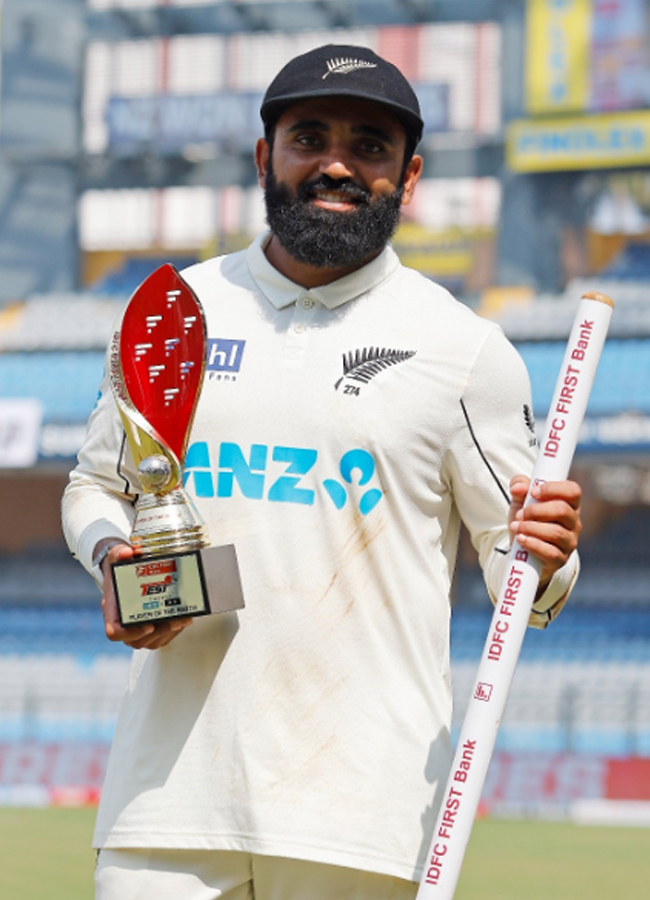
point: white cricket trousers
(231, 875)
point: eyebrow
(366, 130)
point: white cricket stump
(512, 610)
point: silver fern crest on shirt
(345, 66)
(362, 365)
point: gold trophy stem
(167, 524)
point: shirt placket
(303, 320)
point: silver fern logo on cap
(345, 66)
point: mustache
(345, 186)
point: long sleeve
(495, 441)
(98, 501)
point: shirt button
(307, 303)
(299, 327)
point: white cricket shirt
(342, 434)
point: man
(295, 751)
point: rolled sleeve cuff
(549, 605)
(91, 536)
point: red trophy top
(162, 355)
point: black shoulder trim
(503, 491)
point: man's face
(335, 180)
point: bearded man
(295, 749)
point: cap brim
(271, 110)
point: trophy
(157, 362)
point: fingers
(569, 491)
(549, 526)
(519, 487)
(551, 543)
(112, 626)
(149, 635)
(152, 636)
(518, 491)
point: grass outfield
(525, 860)
(46, 856)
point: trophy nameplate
(157, 365)
(197, 583)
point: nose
(336, 163)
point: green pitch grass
(513, 860)
(46, 855)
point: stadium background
(126, 131)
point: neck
(305, 275)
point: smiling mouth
(335, 199)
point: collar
(282, 292)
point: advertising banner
(585, 55)
(588, 142)
(558, 34)
(529, 780)
(70, 773)
(171, 123)
(618, 72)
(20, 425)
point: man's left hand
(549, 526)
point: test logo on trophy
(157, 365)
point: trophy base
(177, 585)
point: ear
(262, 161)
(411, 178)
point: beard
(324, 237)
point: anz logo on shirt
(293, 480)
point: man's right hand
(148, 636)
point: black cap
(343, 71)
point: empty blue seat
(66, 383)
(620, 385)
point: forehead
(350, 112)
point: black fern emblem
(363, 365)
